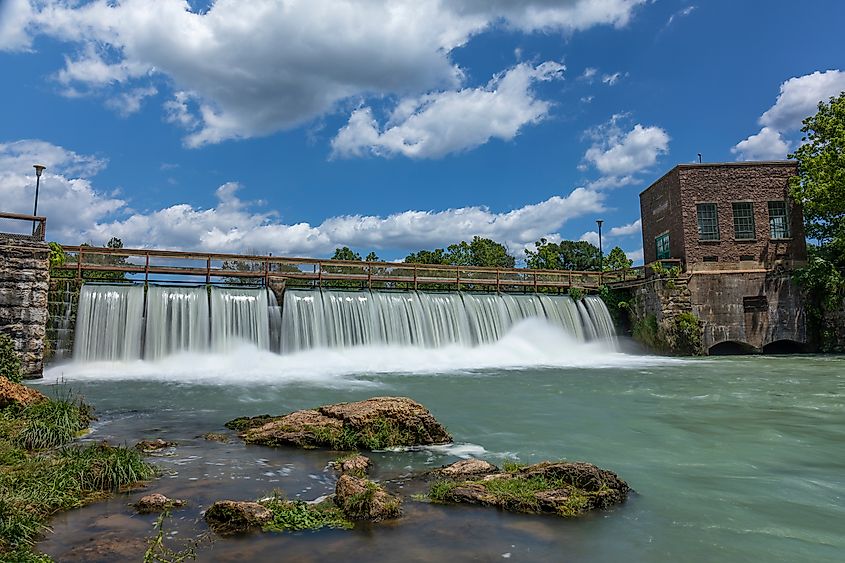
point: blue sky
(294, 127)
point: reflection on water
(732, 460)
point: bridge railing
(88, 262)
(23, 227)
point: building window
(662, 245)
(778, 220)
(743, 220)
(708, 221)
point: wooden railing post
(319, 266)
(458, 277)
(208, 270)
(415, 277)
(535, 282)
(147, 268)
(79, 258)
(497, 281)
(369, 275)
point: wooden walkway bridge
(215, 268)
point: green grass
(42, 473)
(291, 516)
(516, 493)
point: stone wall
(62, 303)
(834, 322)
(24, 280)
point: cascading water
(109, 322)
(177, 321)
(332, 319)
(239, 315)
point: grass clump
(159, 552)
(41, 473)
(292, 516)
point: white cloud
(617, 153)
(626, 230)
(590, 236)
(436, 124)
(797, 100)
(635, 255)
(127, 103)
(765, 145)
(611, 79)
(589, 73)
(78, 212)
(254, 68)
(679, 14)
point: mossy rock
(377, 423)
(562, 488)
(361, 499)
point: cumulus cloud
(798, 99)
(611, 79)
(618, 154)
(765, 145)
(254, 68)
(433, 125)
(77, 211)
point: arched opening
(784, 347)
(732, 348)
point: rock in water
(16, 394)
(361, 499)
(562, 488)
(467, 468)
(357, 465)
(149, 446)
(156, 502)
(376, 423)
(232, 516)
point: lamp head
(599, 222)
(39, 168)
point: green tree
(820, 184)
(565, 255)
(345, 253)
(617, 260)
(372, 257)
(105, 260)
(482, 252)
(819, 187)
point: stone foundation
(24, 281)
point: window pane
(743, 220)
(708, 221)
(778, 220)
(662, 245)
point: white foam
(533, 343)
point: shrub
(10, 361)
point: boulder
(16, 394)
(149, 446)
(562, 488)
(361, 499)
(357, 464)
(467, 468)
(232, 516)
(376, 423)
(156, 502)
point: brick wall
(724, 184)
(659, 206)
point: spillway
(338, 319)
(122, 322)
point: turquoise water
(734, 459)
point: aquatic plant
(37, 480)
(290, 516)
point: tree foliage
(820, 184)
(617, 260)
(10, 361)
(565, 255)
(482, 252)
(820, 189)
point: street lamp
(601, 252)
(39, 168)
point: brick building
(725, 216)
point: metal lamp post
(601, 252)
(39, 168)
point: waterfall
(335, 319)
(109, 322)
(177, 320)
(239, 315)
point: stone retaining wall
(24, 281)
